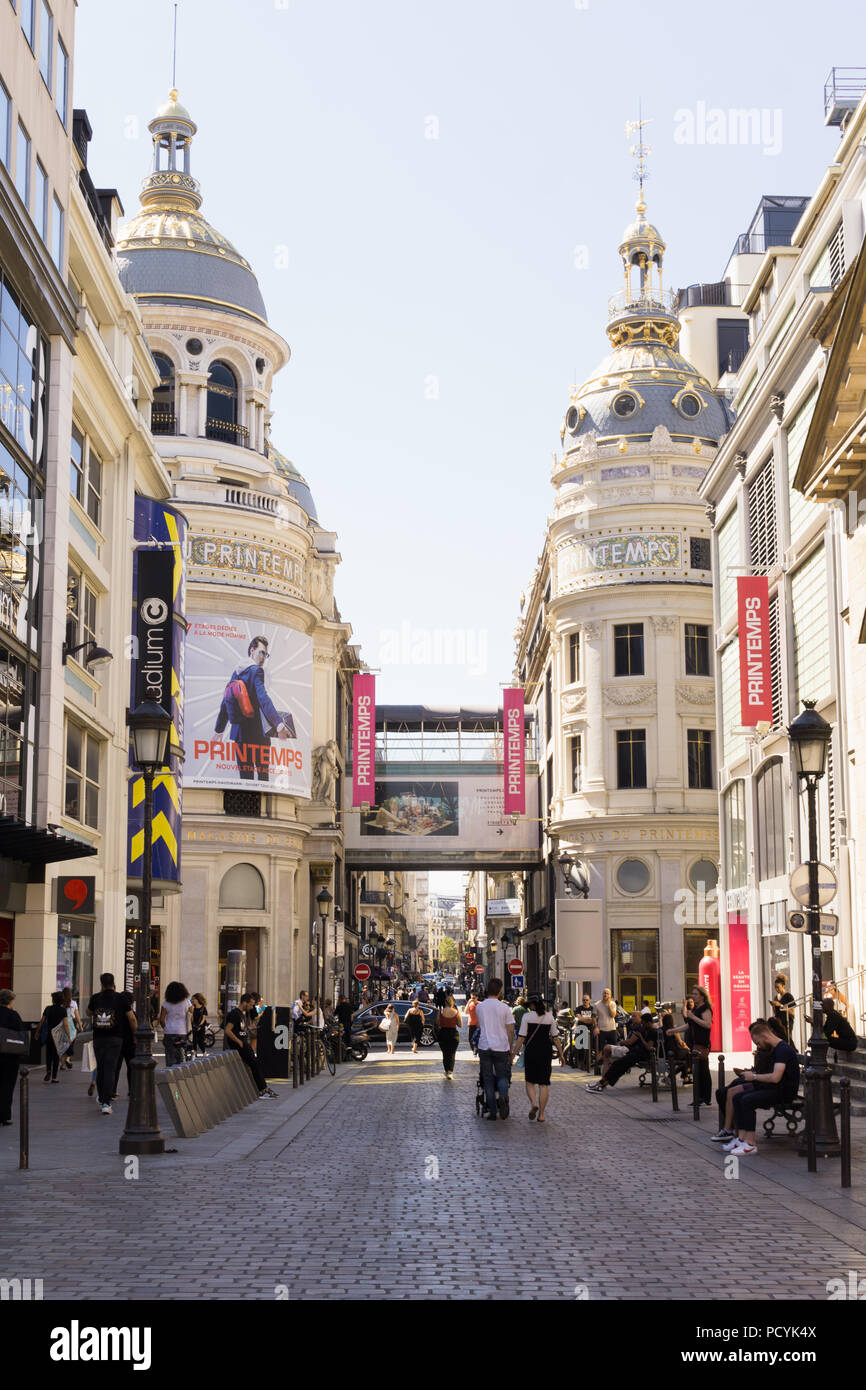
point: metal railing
(661, 302)
(163, 422)
(225, 429)
(701, 296)
(853, 987)
(843, 92)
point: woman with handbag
(75, 1019)
(54, 1014)
(390, 1026)
(415, 1023)
(698, 1015)
(10, 1021)
(449, 1038)
(539, 1036)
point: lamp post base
(826, 1138)
(142, 1134)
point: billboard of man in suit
(251, 715)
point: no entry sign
(361, 971)
(479, 970)
(515, 966)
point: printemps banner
(249, 703)
(363, 740)
(514, 770)
(753, 619)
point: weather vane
(640, 151)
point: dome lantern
(172, 129)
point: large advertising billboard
(249, 704)
(459, 813)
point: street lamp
(810, 738)
(150, 727)
(324, 899)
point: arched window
(222, 405)
(770, 819)
(162, 416)
(243, 886)
(734, 803)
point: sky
(432, 195)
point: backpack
(237, 700)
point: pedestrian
(174, 1020)
(538, 1035)
(54, 1013)
(784, 1005)
(837, 1030)
(9, 1064)
(472, 1020)
(199, 1021)
(109, 1009)
(390, 1026)
(345, 1013)
(75, 1021)
(423, 996)
(415, 1023)
(125, 1055)
(235, 1039)
(698, 1016)
(774, 1084)
(449, 1037)
(495, 1044)
(840, 1000)
(518, 1010)
(301, 1011)
(605, 1021)
(725, 1094)
(639, 1046)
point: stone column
(591, 665)
(670, 766)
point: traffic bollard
(811, 1149)
(697, 1063)
(721, 1078)
(672, 1073)
(654, 1077)
(24, 1113)
(294, 1064)
(845, 1129)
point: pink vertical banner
(513, 752)
(741, 984)
(363, 740)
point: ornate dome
(168, 250)
(298, 486)
(645, 381)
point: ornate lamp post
(810, 736)
(324, 900)
(150, 727)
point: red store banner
(363, 740)
(741, 985)
(514, 752)
(753, 617)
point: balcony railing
(163, 422)
(369, 895)
(255, 501)
(662, 302)
(701, 296)
(225, 430)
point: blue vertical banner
(158, 580)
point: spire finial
(640, 151)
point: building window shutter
(801, 511)
(728, 558)
(776, 663)
(763, 545)
(811, 626)
(730, 675)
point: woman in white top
(174, 1019)
(392, 1018)
(540, 1035)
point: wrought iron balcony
(163, 422)
(226, 430)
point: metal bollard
(721, 1088)
(811, 1150)
(672, 1073)
(308, 1050)
(697, 1063)
(654, 1077)
(294, 1063)
(845, 1129)
(24, 1114)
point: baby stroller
(481, 1106)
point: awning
(28, 844)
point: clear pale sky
(428, 286)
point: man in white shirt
(495, 1043)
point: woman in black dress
(9, 1018)
(540, 1036)
(414, 1021)
(54, 1014)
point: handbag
(14, 1042)
(385, 1024)
(62, 1040)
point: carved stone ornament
(696, 694)
(574, 703)
(592, 631)
(741, 463)
(665, 624)
(630, 695)
(777, 404)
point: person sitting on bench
(725, 1094)
(765, 1090)
(639, 1047)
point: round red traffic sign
(361, 971)
(479, 970)
(515, 966)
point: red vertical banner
(741, 984)
(514, 752)
(753, 617)
(363, 740)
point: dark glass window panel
(771, 822)
(73, 747)
(94, 488)
(574, 658)
(628, 654)
(575, 762)
(700, 759)
(91, 806)
(72, 803)
(699, 553)
(92, 766)
(631, 758)
(76, 455)
(697, 650)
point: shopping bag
(62, 1040)
(88, 1057)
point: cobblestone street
(397, 1191)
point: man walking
(495, 1042)
(236, 1038)
(110, 1011)
(345, 1013)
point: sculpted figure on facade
(325, 772)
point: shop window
(634, 968)
(770, 820)
(734, 811)
(694, 945)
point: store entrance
(238, 939)
(635, 968)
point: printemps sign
(579, 558)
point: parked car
(368, 1019)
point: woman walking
(9, 1018)
(54, 1014)
(415, 1023)
(174, 1020)
(539, 1035)
(199, 1021)
(449, 1022)
(75, 1019)
(390, 1026)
